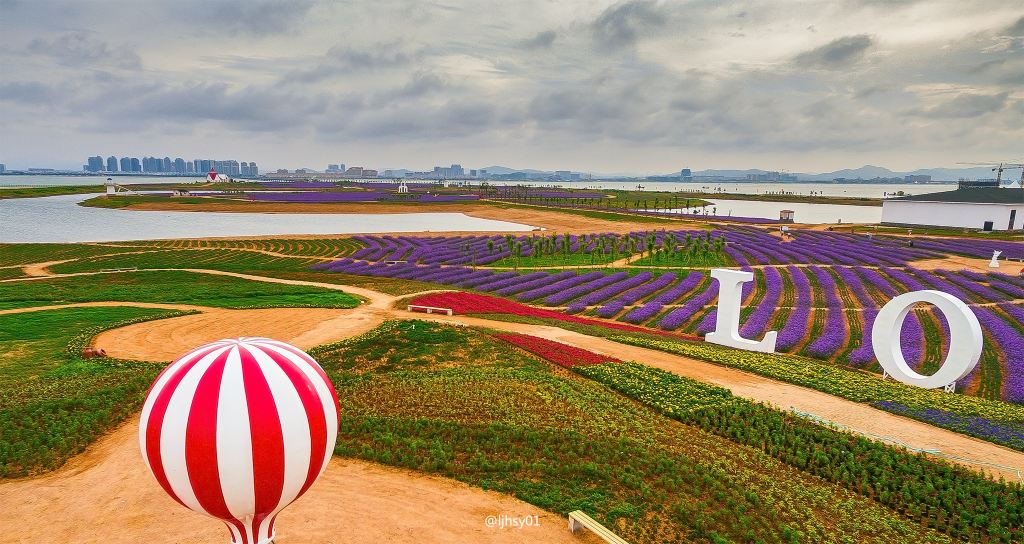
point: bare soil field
(107, 496)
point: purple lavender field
(820, 290)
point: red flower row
(556, 352)
(470, 303)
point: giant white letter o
(965, 339)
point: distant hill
(871, 172)
(867, 171)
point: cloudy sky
(641, 86)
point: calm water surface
(815, 214)
(61, 219)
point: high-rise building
(179, 165)
(189, 167)
(3, 168)
(95, 164)
(685, 174)
(253, 169)
(126, 164)
(168, 165)
(332, 168)
(457, 171)
(354, 171)
(111, 164)
(136, 165)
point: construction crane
(999, 167)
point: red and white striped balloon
(238, 429)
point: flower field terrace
(658, 457)
(820, 290)
(470, 303)
(556, 352)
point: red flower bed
(470, 303)
(556, 352)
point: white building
(972, 207)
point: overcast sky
(639, 86)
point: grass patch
(170, 287)
(455, 402)
(125, 201)
(214, 259)
(593, 214)
(54, 403)
(18, 254)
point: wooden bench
(394, 262)
(429, 309)
(579, 519)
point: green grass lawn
(172, 287)
(54, 404)
(49, 190)
(9, 273)
(15, 254)
(334, 248)
(610, 215)
(124, 201)
(455, 402)
(559, 259)
(214, 259)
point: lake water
(815, 214)
(61, 219)
(869, 190)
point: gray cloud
(966, 105)
(341, 60)
(247, 108)
(31, 92)
(260, 16)
(81, 50)
(622, 25)
(543, 40)
(836, 54)
(399, 82)
(1016, 29)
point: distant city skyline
(634, 86)
(166, 165)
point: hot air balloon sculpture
(238, 429)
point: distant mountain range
(864, 172)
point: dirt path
(166, 339)
(860, 417)
(106, 496)
(41, 269)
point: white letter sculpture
(995, 259)
(727, 322)
(965, 340)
